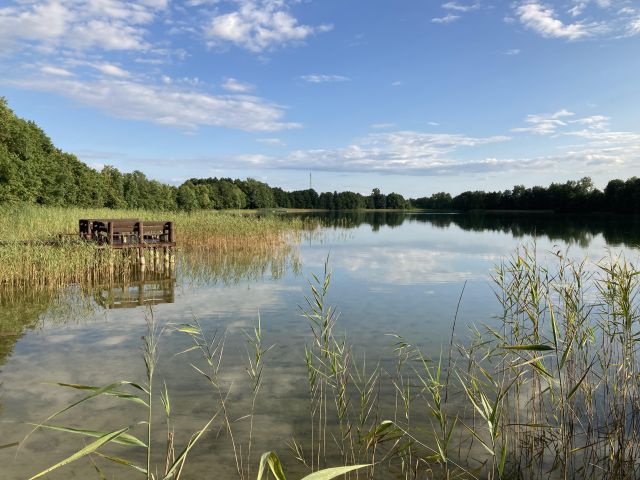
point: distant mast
(310, 183)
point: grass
(39, 247)
(548, 389)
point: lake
(393, 275)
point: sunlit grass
(39, 246)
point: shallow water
(392, 273)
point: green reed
(549, 389)
(40, 248)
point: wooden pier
(131, 233)
(128, 233)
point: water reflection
(144, 289)
(228, 266)
(393, 272)
(617, 230)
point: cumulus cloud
(318, 78)
(544, 20)
(259, 25)
(165, 104)
(582, 19)
(78, 24)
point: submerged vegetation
(549, 388)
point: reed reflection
(617, 230)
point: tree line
(33, 170)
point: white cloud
(397, 83)
(403, 152)
(273, 142)
(259, 25)
(236, 86)
(460, 7)
(51, 70)
(546, 123)
(513, 51)
(565, 123)
(543, 20)
(165, 104)
(383, 126)
(109, 69)
(597, 150)
(78, 24)
(449, 18)
(318, 78)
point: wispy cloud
(259, 25)
(545, 123)
(513, 51)
(236, 86)
(564, 122)
(109, 69)
(461, 7)
(454, 11)
(583, 19)
(403, 152)
(166, 104)
(52, 70)
(320, 78)
(544, 21)
(273, 142)
(383, 126)
(449, 18)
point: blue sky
(405, 95)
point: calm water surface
(392, 273)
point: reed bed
(39, 247)
(548, 389)
(210, 266)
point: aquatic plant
(549, 388)
(39, 246)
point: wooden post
(172, 233)
(141, 232)
(110, 233)
(140, 243)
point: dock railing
(128, 233)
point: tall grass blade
(92, 447)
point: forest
(34, 171)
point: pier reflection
(144, 288)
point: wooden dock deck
(155, 237)
(128, 232)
